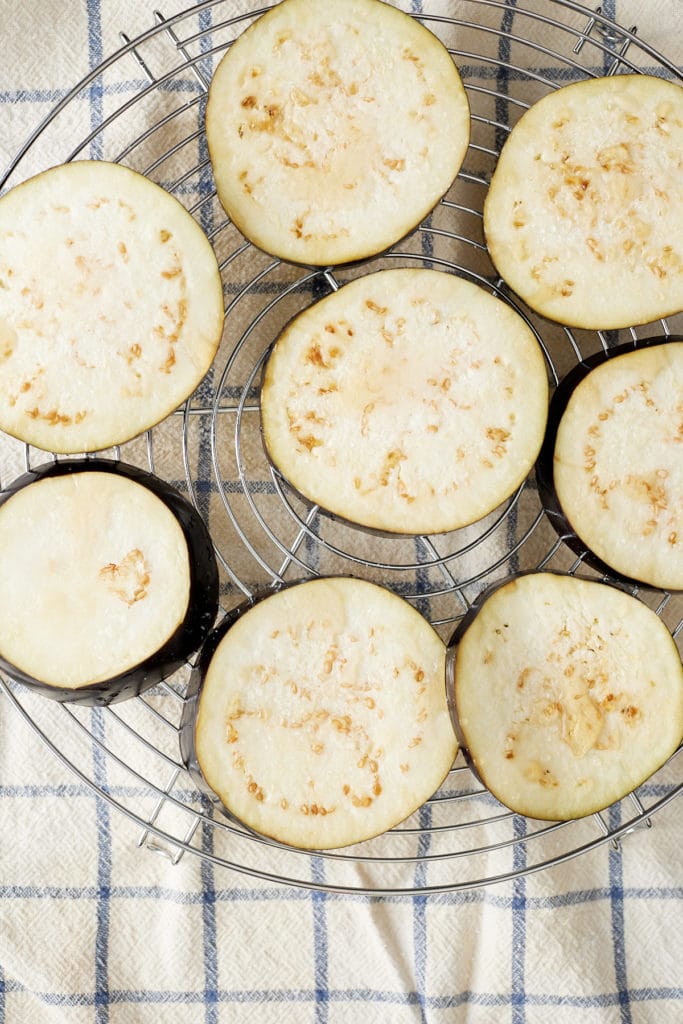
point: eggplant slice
(108, 580)
(568, 694)
(334, 127)
(111, 307)
(321, 719)
(611, 469)
(584, 215)
(409, 401)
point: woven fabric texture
(104, 923)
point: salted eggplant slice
(111, 307)
(334, 127)
(321, 718)
(409, 401)
(108, 580)
(584, 215)
(611, 471)
(568, 694)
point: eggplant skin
(556, 514)
(188, 721)
(566, 693)
(203, 596)
(329, 634)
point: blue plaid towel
(102, 919)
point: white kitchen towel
(102, 922)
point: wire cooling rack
(144, 106)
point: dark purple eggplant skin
(203, 597)
(545, 462)
(188, 720)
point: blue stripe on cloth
(420, 903)
(519, 914)
(207, 220)
(2, 993)
(609, 59)
(422, 582)
(103, 875)
(427, 241)
(274, 894)
(617, 913)
(502, 73)
(210, 994)
(94, 59)
(32, 791)
(124, 87)
(609, 10)
(32, 95)
(344, 996)
(320, 945)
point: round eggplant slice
(568, 694)
(611, 471)
(409, 401)
(321, 718)
(111, 307)
(334, 127)
(584, 215)
(108, 580)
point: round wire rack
(144, 106)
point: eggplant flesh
(566, 693)
(129, 588)
(609, 472)
(317, 714)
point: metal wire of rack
(461, 839)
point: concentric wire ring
(263, 533)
